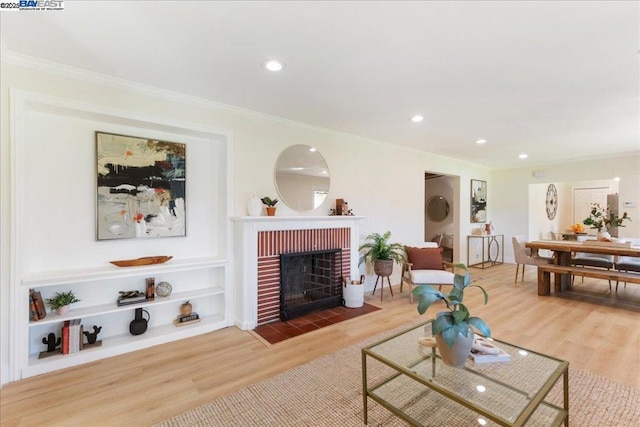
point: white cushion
(432, 277)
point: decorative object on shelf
(147, 260)
(138, 325)
(151, 288)
(478, 201)
(37, 310)
(353, 292)
(488, 228)
(92, 336)
(186, 308)
(271, 205)
(551, 201)
(126, 165)
(603, 220)
(452, 328)
(254, 206)
(131, 297)
(61, 301)
(381, 253)
(52, 342)
(163, 289)
(342, 209)
(186, 319)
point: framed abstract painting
(478, 201)
(140, 187)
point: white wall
(386, 184)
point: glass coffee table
(412, 382)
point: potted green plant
(452, 328)
(603, 220)
(381, 253)
(60, 302)
(271, 205)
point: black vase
(138, 325)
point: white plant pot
(353, 296)
(254, 206)
(64, 310)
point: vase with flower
(603, 220)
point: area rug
(328, 392)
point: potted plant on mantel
(381, 253)
(452, 328)
(61, 301)
(270, 204)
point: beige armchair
(524, 256)
(424, 266)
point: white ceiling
(557, 80)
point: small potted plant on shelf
(381, 253)
(61, 301)
(452, 328)
(271, 205)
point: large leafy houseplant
(378, 247)
(457, 319)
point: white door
(583, 200)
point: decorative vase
(138, 325)
(383, 267)
(457, 354)
(271, 211)
(64, 310)
(603, 235)
(254, 206)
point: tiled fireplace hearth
(258, 245)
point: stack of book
(37, 311)
(485, 351)
(131, 297)
(186, 320)
(72, 337)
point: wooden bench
(544, 276)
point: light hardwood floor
(596, 332)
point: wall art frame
(141, 187)
(478, 201)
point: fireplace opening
(309, 281)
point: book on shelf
(33, 314)
(128, 301)
(65, 337)
(38, 304)
(485, 351)
(188, 318)
(177, 322)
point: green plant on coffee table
(61, 299)
(269, 201)
(457, 319)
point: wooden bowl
(149, 260)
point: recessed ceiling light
(273, 65)
(481, 141)
(523, 156)
(417, 118)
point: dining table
(563, 250)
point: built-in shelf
(62, 277)
(97, 310)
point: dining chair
(626, 264)
(592, 260)
(524, 256)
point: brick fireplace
(259, 243)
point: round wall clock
(552, 201)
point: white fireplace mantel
(246, 231)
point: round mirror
(302, 178)
(437, 208)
